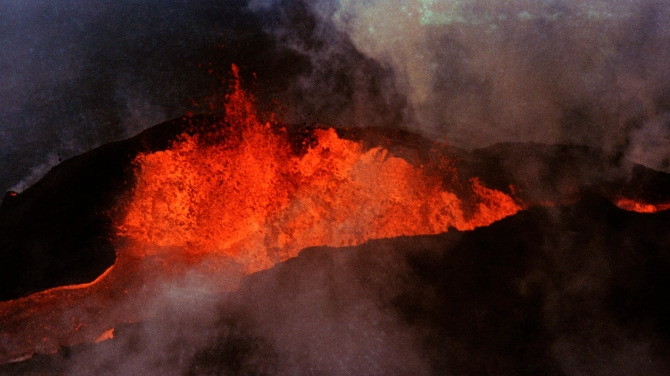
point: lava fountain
(239, 197)
(245, 193)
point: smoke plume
(471, 73)
(476, 73)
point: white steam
(479, 72)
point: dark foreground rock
(58, 231)
(575, 289)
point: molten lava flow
(243, 197)
(108, 334)
(250, 198)
(640, 206)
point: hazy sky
(74, 75)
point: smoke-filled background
(480, 72)
(76, 75)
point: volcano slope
(578, 287)
(59, 231)
(571, 289)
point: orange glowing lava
(243, 197)
(108, 334)
(249, 197)
(640, 206)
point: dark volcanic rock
(503, 299)
(58, 231)
(576, 289)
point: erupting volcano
(424, 188)
(233, 195)
(244, 190)
(243, 195)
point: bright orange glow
(237, 199)
(80, 285)
(253, 200)
(641, 207)
(108, 334)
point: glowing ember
(108, 334)
(250, 198)
(641, 207)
